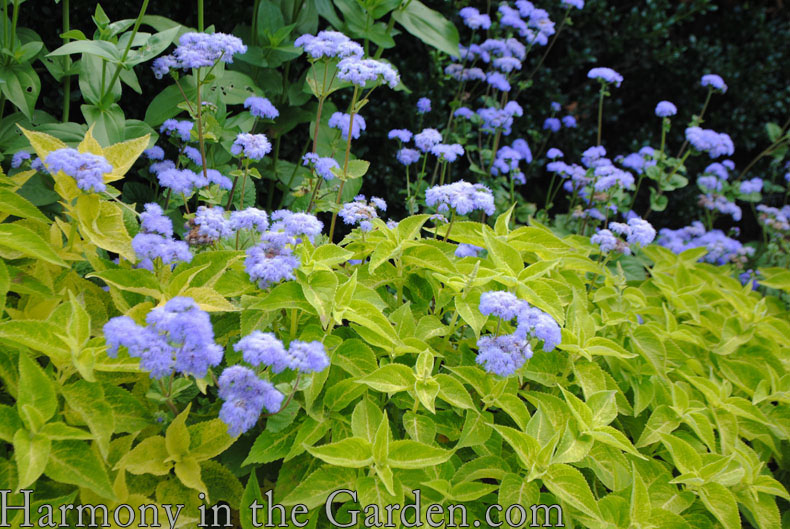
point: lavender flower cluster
(720, 248)
(199, 50)
(505, 354)
(361, 212)
(155, 240)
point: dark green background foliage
(661, 47)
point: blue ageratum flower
(665, 109)
(402, 135)
(467, 250)
(87, 169)
(183, 129)
(502, 355)
(153, 220)
(578, 4)
(307, 357)
(322, 165)
(720, 248)
(245, 395)
(473, 19)
(554, 153)
(447, 152)
(715, 82)
(212, 223)
(423, 105)
(178, 338)
(606, 75)
(271, 261)
(408, 156)
(249, 219)
(199, 50)
(706, 140)
(754, 185)
(154, 153)
(329, 44)
(361, 212)
(427, 138)
(252, 146)
(340, 121)
(569, 122)
(263, 349)
(461, 197)
(552, 124)
(260, 107)
(19, 158)
(362, 71)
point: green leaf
(36, 393)
(149, 457)
(268, 447)
(569, 485)
(138, 280)
(429, 26)
(29, 243)
(426, 391)
(208, 439)
(14, 204)
(525, 446)
(316, 488)
(177, 438)
(252, 494)
(381, 441)
(9, 423)
(59, 431)
(40, 336)
(515, 490)
(640, 499)
(87, 399)
(721, 503)
(366, 420)
(411, 454)
(352, 452)
(390, 378)
(188, 471)
(580, 410)
(476, 429)
(31, 452)
(75, 463)
(453, 392)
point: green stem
(13, 25)
(345, 161)
(201, 141)
(699, 120)
(200, 15)
(137, 23)
(551, 44)
(444, 172)
(254, 30)
(600, 114)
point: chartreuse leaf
(352, 452)
(316, 488)
(188, 471)
(123, 155)
(75, 463)
(101, 223)
(36, 400)
(515, 490)
(640, 509)
(31, 452)
(88, 401)
(150, 456)
(381, 441)
(29, 243)
(208, 439)
(569, 485)
(453, 392)
(15, 204)
(412, 454)
(372, 491)
(366, 419)
(9, 423)
(177, 438)
(252, 494)
(390, 378)
(721, 503)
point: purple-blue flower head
(569, 121)
(249, 219)
(340, 121)
(408, 156)
(153, 220)
(715, 82)
(259, 348)
(423, 105)
(665, 109)
(252, 146)
(307, 357)
(199, 50)
(552, 124)
(181, 128)
(554, 153)
(362, 71)
(578, 4)
(154, 153)
(502, 355)
(19, 158)
(473, 19)
(296, 225)
(322, 165)
(498, 81)
(753, 185)
(329, 44)
(467, 250)
(260, 107)
(245, 395)
(706, 140)
(462, 197)
(212, 222)
(87, 169)
(427, 138)
(606, 75)
(402, 135)
(447, 152)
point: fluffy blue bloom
(665, 109)
(509, 17)
(709, 183)
(569, 122)
(495, 119)
(460, 196)
(754, 185)
(706, 140)
(245, 395)
(180, 180)
(467, 250)
(447, 152)
(86, 168)
(249, 219)
(295, 225)
(506, 161)
(329, 44)
(720, 248)
(423, 105)
(181, 128)
(153, 220)
(427, 138)
(609, 176)
(718, 170)
(259, 348)
(473, 19)
(523, 149)
(270, 262)
(340, 121)
(608, 242)
(215, 177)
(606, 75)
(554, 153)
(178, 338)
(307, 357)
(154, 153)
(637, 231)
(408, 156)
(774, 218)
(501, 304)
(212, 222)
(525, 8)
(322, 165)
(151, 246)
(534, 323)
(715, 82)
(552, 124)
(252, 146)
(362, 71)
(507, 64)
(502, 355)
(578, 4)
(194, 155)
(498, 81)
(19, 158)
(360, 212)
(260, 107)
(464, 112)
(721, 204)
(401, 135)
(198, 50)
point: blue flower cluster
(361, 212)
(86, 168)
(264, 349)
(461, 197)
(706, 140)
(505, 354)
(341, 121)
(252, 146)
(774, 218)
(260, 107)
(321, 165)
(360, 72)
(183, 129)
(199, 50)
(245, 395)
(606, 76)
(328, 44)
(155, 240)
(720, 248)
(177, 338)
(636, 231)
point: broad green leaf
(390, 378)
(476, 429)
(88, 401)
(352, 452)
(149, 457)
(569, 485)
(27, 242)
(188, 471)
(75, 463)
(452, 391)
(721, 503)
(525, 446)
(366, 420)
(136, 280)
(31, 452)
(177, 438)
(429, 26)
(268, 447)
(9, 423)
(314, 490)
(381, 441)
(640, 509)
(36, 392)
(14, 204)
(208, 439)
(411, 454)
(252, 494)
